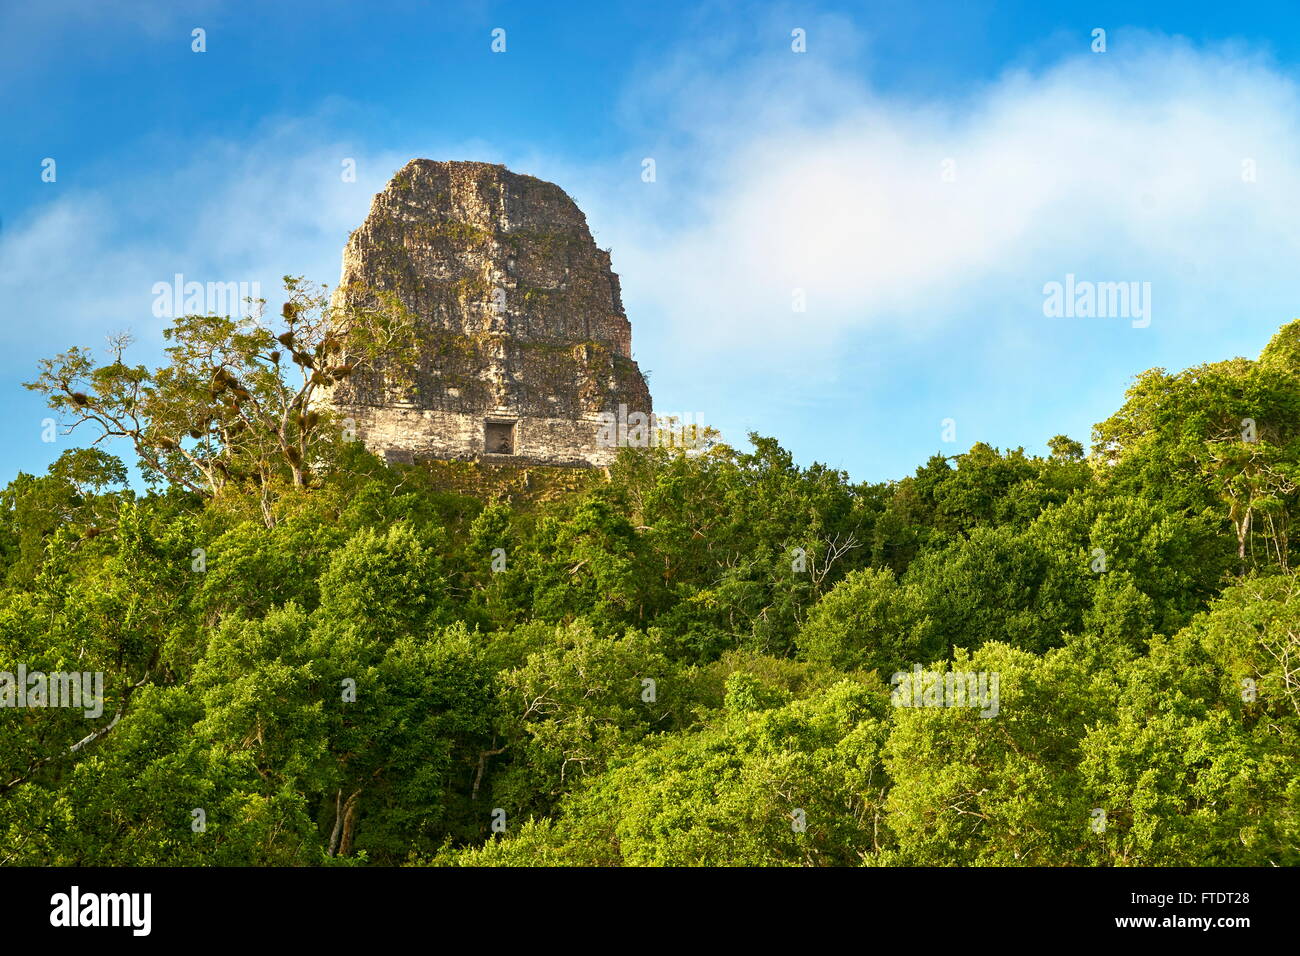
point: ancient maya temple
(523, 342)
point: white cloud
(788, 175)
(85, 264)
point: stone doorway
(499, 438)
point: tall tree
(240, 402)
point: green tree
(867, 621)
(238, 402)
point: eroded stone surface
(523, 338)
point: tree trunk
(349, 824)
(338, 824)
(1243, 532)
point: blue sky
(918, 175)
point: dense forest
(311, 657)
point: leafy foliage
(686, 660)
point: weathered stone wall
(519, 315)
(404, 434)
